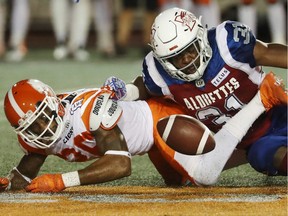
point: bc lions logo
(75, 106)
(186, 19)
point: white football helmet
(29, 100)
(172, 32)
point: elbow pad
(132, 92)
(105, 112)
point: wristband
(23, 176)
(71, 179)
(8, 187)
(123, 153)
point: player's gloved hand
(118, 86)
(4, 184)
(46, 183)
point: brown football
(186, 134)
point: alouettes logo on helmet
(186, 19)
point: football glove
(4, 184)
(46, 183)
(118, 86)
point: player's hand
(4, 183)
(118, 86)
(46, 183)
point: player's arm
(270, 54)
(115, 162)
(136, 90)
(20, 176)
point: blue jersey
(230, 80)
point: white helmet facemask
(47, 110)
(173, 32)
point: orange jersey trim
(162, 108)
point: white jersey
(136, 124)
(77, 142)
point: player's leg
(268, 155)
(206, 169)
(103, 20)
(247, 14)
(166, 4)
(60, 18)
(19, 27)
(149, 16)
(169, 174)
(276, 19)
(160, 154)
(79, 28)
(272, 91)
(124, 25)
(210, 12)
(2, 27)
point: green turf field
(69, 75)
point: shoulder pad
(97, 111)
(105, 112)
(111, 114)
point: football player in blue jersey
(213, 74)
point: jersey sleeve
(236, 40)
(152, 87)
(156, 79)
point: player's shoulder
(235, 39)
(230, 25)
(234, 31)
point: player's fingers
(4, 182)
(31, 187)
(36, 191)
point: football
(186, 134)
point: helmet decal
(186, 19)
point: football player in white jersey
(213, 74)
(87, 124)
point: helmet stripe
(14, 104)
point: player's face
(43, 126)
(187, 61)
